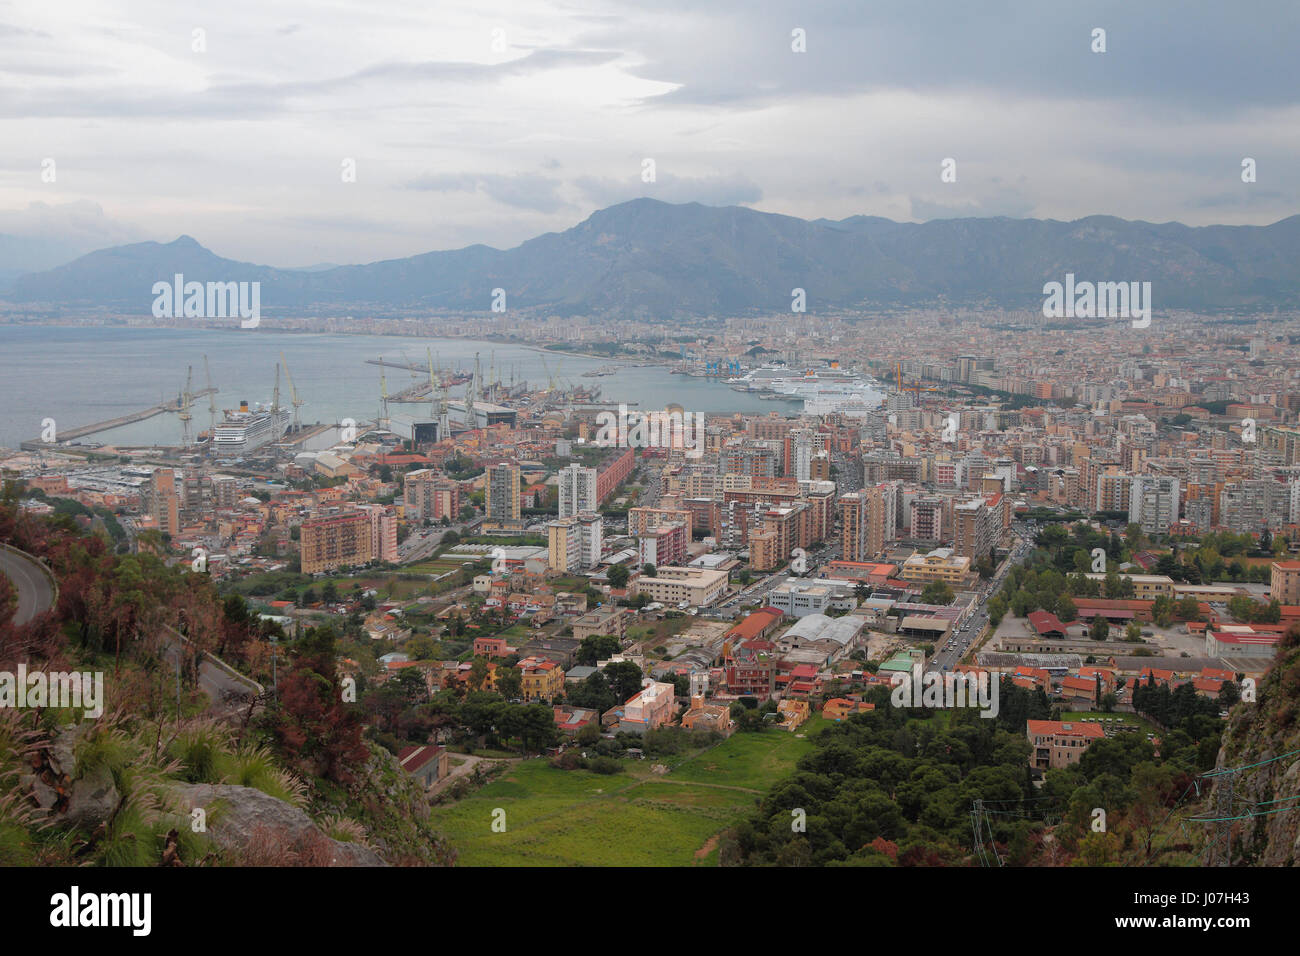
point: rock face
(85, 802)
(261, 829)
(1262, 741)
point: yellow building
(542, 679)
(939, 565)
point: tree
(617, 576)
(1134, 536)
(312, 724)
(509, 682)
(478, 673)
(937, 592)
(1189, 609)
(1066, 609)
(1100, 628)
(597, 647)
(624, 679)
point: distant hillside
(652, 259)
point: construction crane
(186, 403)
(293, 394)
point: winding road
(30, 580)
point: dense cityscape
(640, 451)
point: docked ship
(822, 391)
(245, 429)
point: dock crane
(293, 394)
(438, 408)
(383, 397)
(186, 403)
(898, 372)
(550, 376)
(212, 405)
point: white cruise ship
(246, 429)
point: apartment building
(577, 487)
(541, 679)
(429, 496)
(501, 492)
(574, 543)
(328, 542)
(1153, 502)
(383, 532)
(664, 544)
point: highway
(35, 592)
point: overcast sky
(456, 141)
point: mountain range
(656, 260)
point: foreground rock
(258, 830)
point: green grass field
(1132, 719)
(635, 818)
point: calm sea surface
(81, 375)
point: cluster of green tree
(1176, 708)
(894, 788)
(460, 468)
(1255, 612)
(597, 647)
(891, 786)
(402, 712)
(1057, 572)
(937, 592)
(605, 689)
(750, 716)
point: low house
(569, 719)
(702, 716)
(793, 713)
(1080, 690)
(837, 708)
(1046, 624)
(428, 763)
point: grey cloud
(738, 54)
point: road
(214, 680)
(947, 655)
(35, 591)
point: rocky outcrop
(1261, 798)
(255, 828)
(84, 802)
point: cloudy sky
(493, 122)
